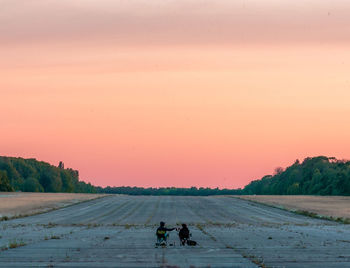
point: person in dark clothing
(184, 234)
(162, 232)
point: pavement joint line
(131, 212)
(197, 213)
(256, 260)
(115, 209)
(153, 212)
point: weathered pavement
(118, 231)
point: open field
(119, 231)
(335, 206)
(17, 203)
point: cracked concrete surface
(119, 231)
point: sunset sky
(174, 92)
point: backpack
(191, 243)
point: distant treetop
(319, 175)
(30, 175)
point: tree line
(193, 191)
(30, 175)
(314, 176)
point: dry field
(335, 206)
(17, 203)
(119, 231)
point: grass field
(329, 206)
(18, 203)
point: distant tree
(36, 176)
(67, 181)
(294, 189)
(317, 176)
(297, 162)
(12, 173)
(50, 180)
(61, 165)
(193, 191)
(32, 185)
(5, 183)
(278, 170)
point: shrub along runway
(119, 231)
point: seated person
(184, 234)
(162, 232)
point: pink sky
(174, 93)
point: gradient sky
(174, 92)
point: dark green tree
(5, 183)
(32, 185)
(36, 176)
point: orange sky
(174, 93)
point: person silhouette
(163, 233)
(184, 234)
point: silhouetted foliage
(4, 182)
(314, 176)
(61, 165)
(30, 175)
(193, 191)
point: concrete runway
(119, 231)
